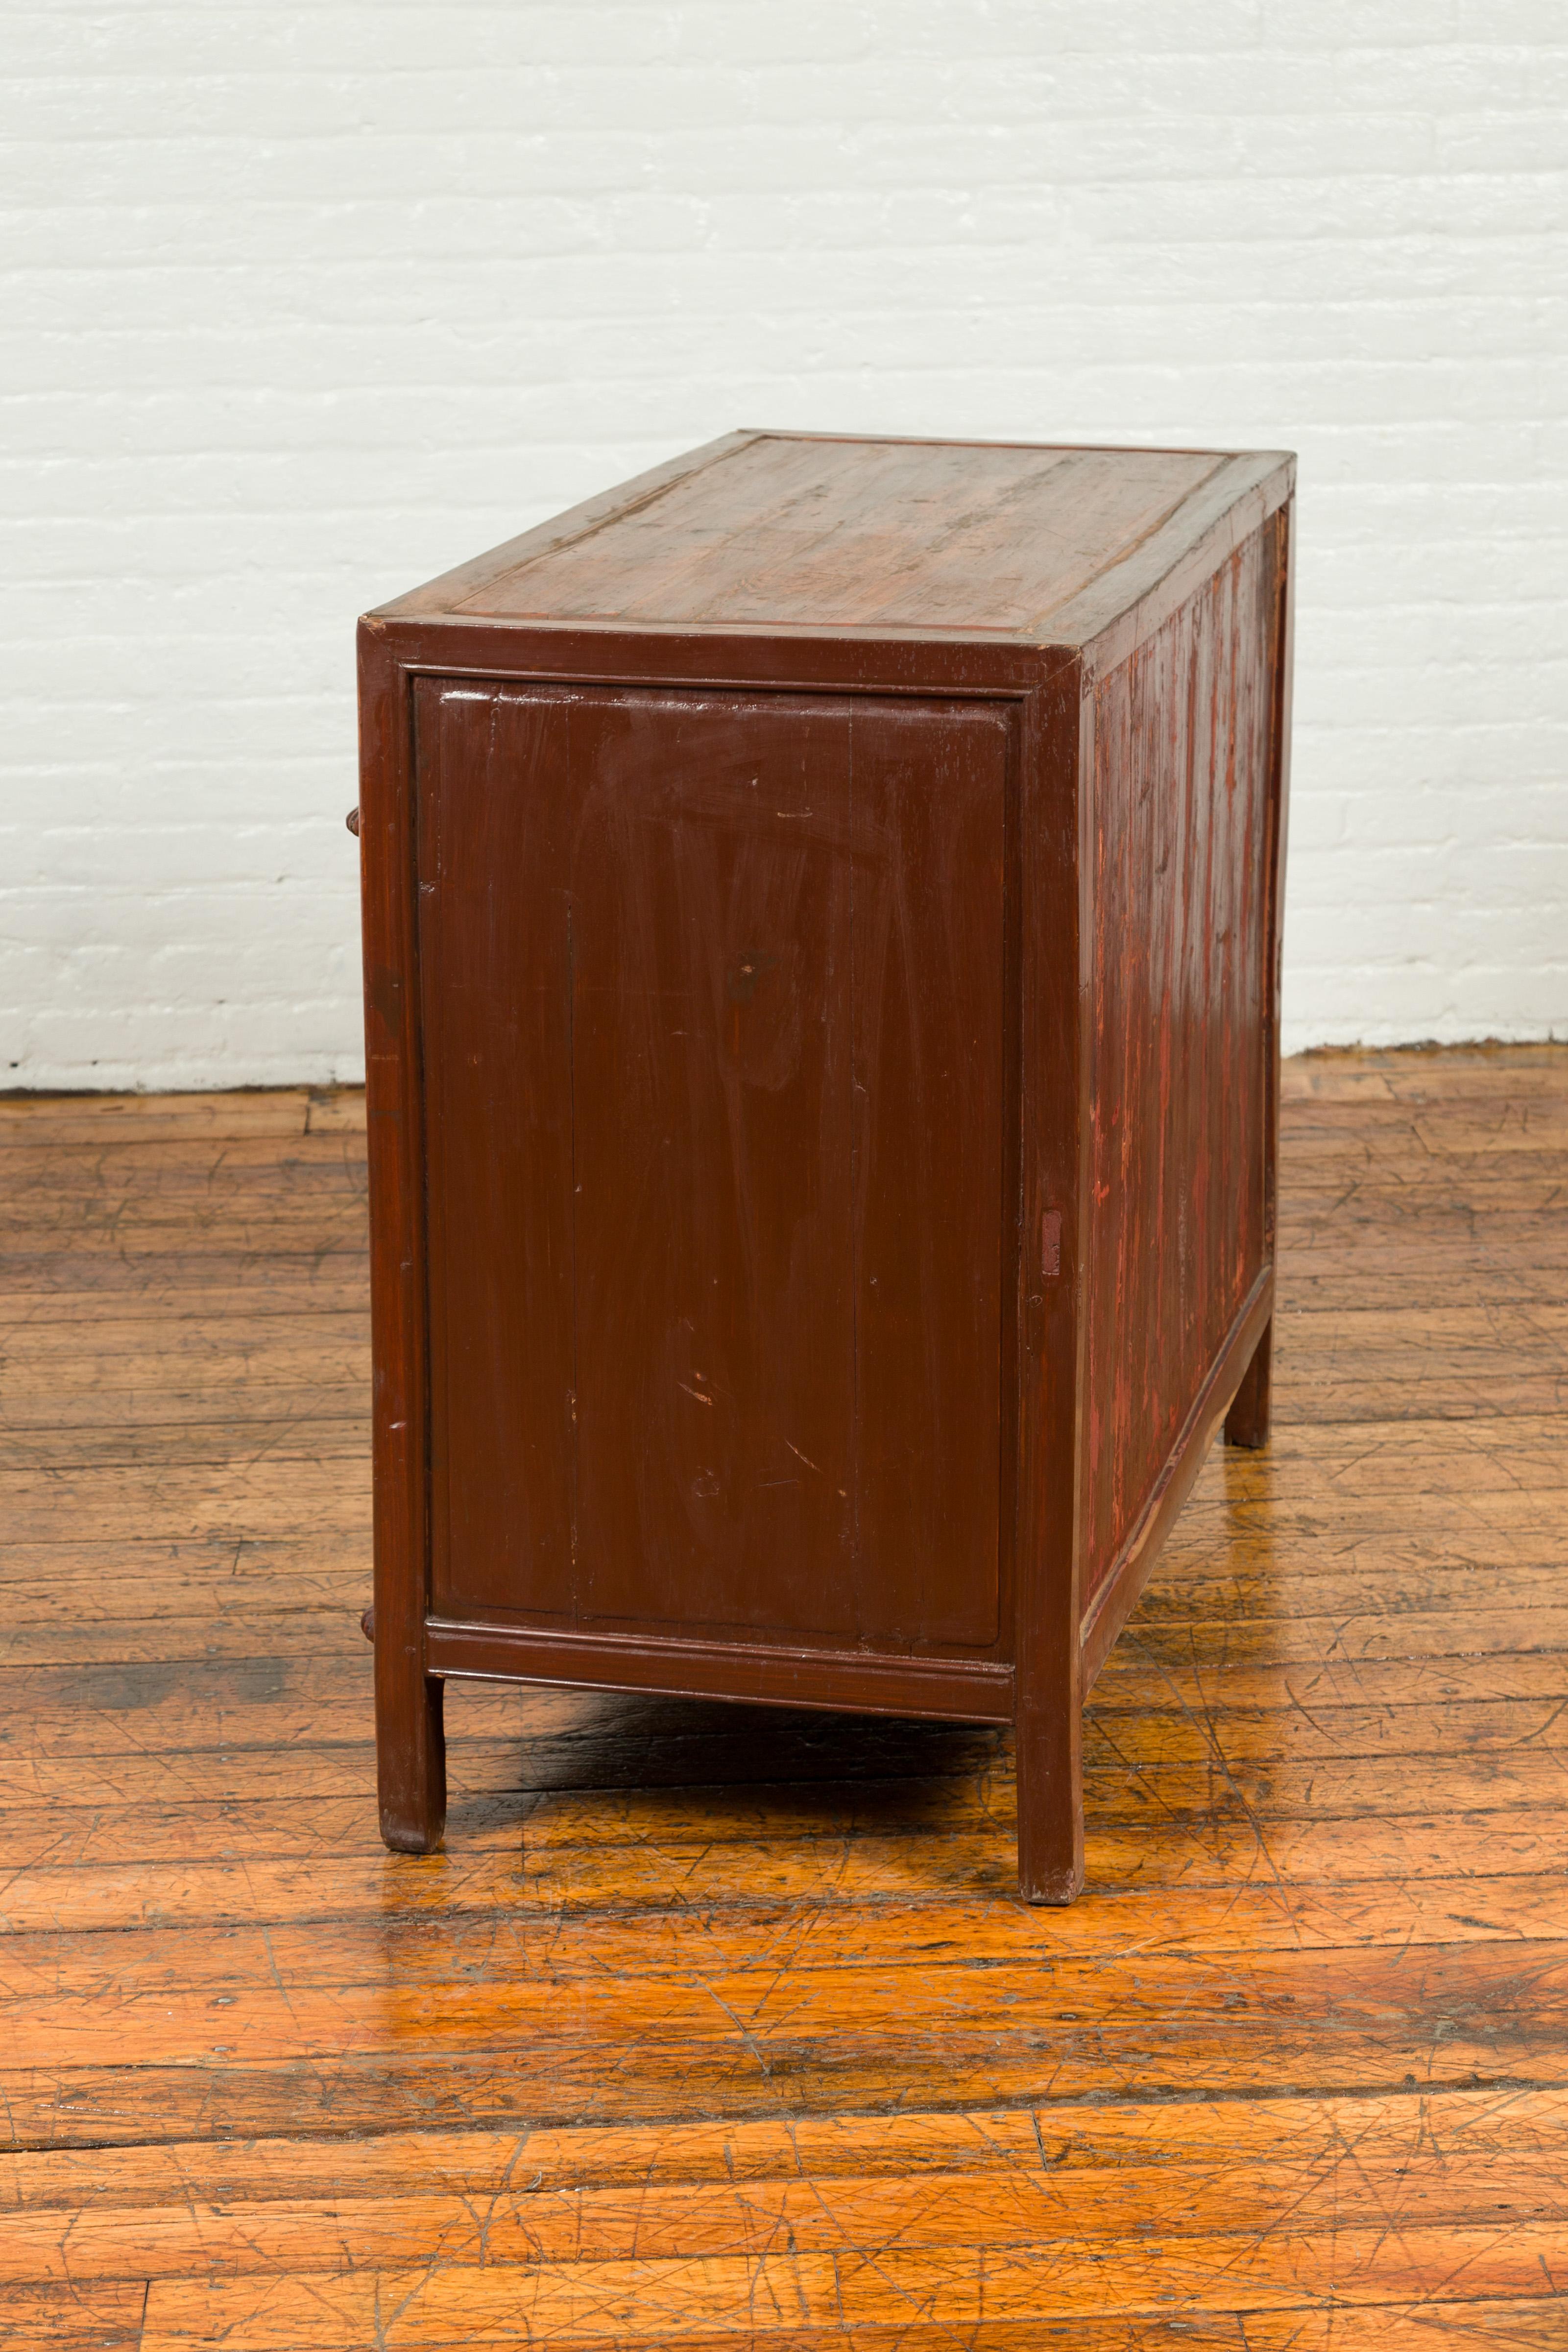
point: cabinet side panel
(1182, 844)
(494, 829)
(711, 993)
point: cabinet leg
(1247, 1423)
(1050, 1808)
(411, 1758)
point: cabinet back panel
(711, 989)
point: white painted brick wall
(307, 301)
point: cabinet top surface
(783, 530)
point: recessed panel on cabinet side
(712, 997)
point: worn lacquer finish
(719, 2025)
(821, 966)
(816, 533)
(1182, 991)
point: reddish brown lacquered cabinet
(821, 921)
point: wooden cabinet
(821, 940)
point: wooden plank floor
(714, 2028)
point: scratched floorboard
(712, 2029)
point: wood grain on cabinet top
(781, 531)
